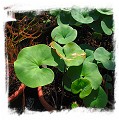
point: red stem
(43, 101)
(40, 95)
(16, 93)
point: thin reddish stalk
(43, 101)
(16, 93)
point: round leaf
(81, 85)
(71, 53)
(28, 66)
(74, 55)
(104, 57)
(81, 16)
(96, 99)
(105, 11)
(64, 34)
(90, 72)
(107, 25)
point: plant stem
(43, 101)
(16, 93)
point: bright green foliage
(78, 63)
(71, 53)
(81, 85)
(87, 70)
(74, 55)
(74, 105)
(55, 12)
(28, 66)
(105, 11)
(107, 25)
(96, 99)
(81, 15)
(71, 75)
(105, 58)
(100, 20)
(64, 34)
(90, 72)
(89, 52)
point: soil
(53, 93)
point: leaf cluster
(100, 20)
(79, 63)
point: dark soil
(53, 93)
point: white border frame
(80, 113)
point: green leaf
(107, 25)
(61, 65)
(74, 105)
(58, 49)
(81, 15)
(71, 75)
(94, 14)
(87, 70)
(96, 99)
(90, 72)
(104, 57)
(86, 91)
(64, 34)
(81, 85)
(105, 11)
(67, 82)
(71, 53)
(74, 55)
(55, 12)
(89, 50)
(65, 18)
(28, 66)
